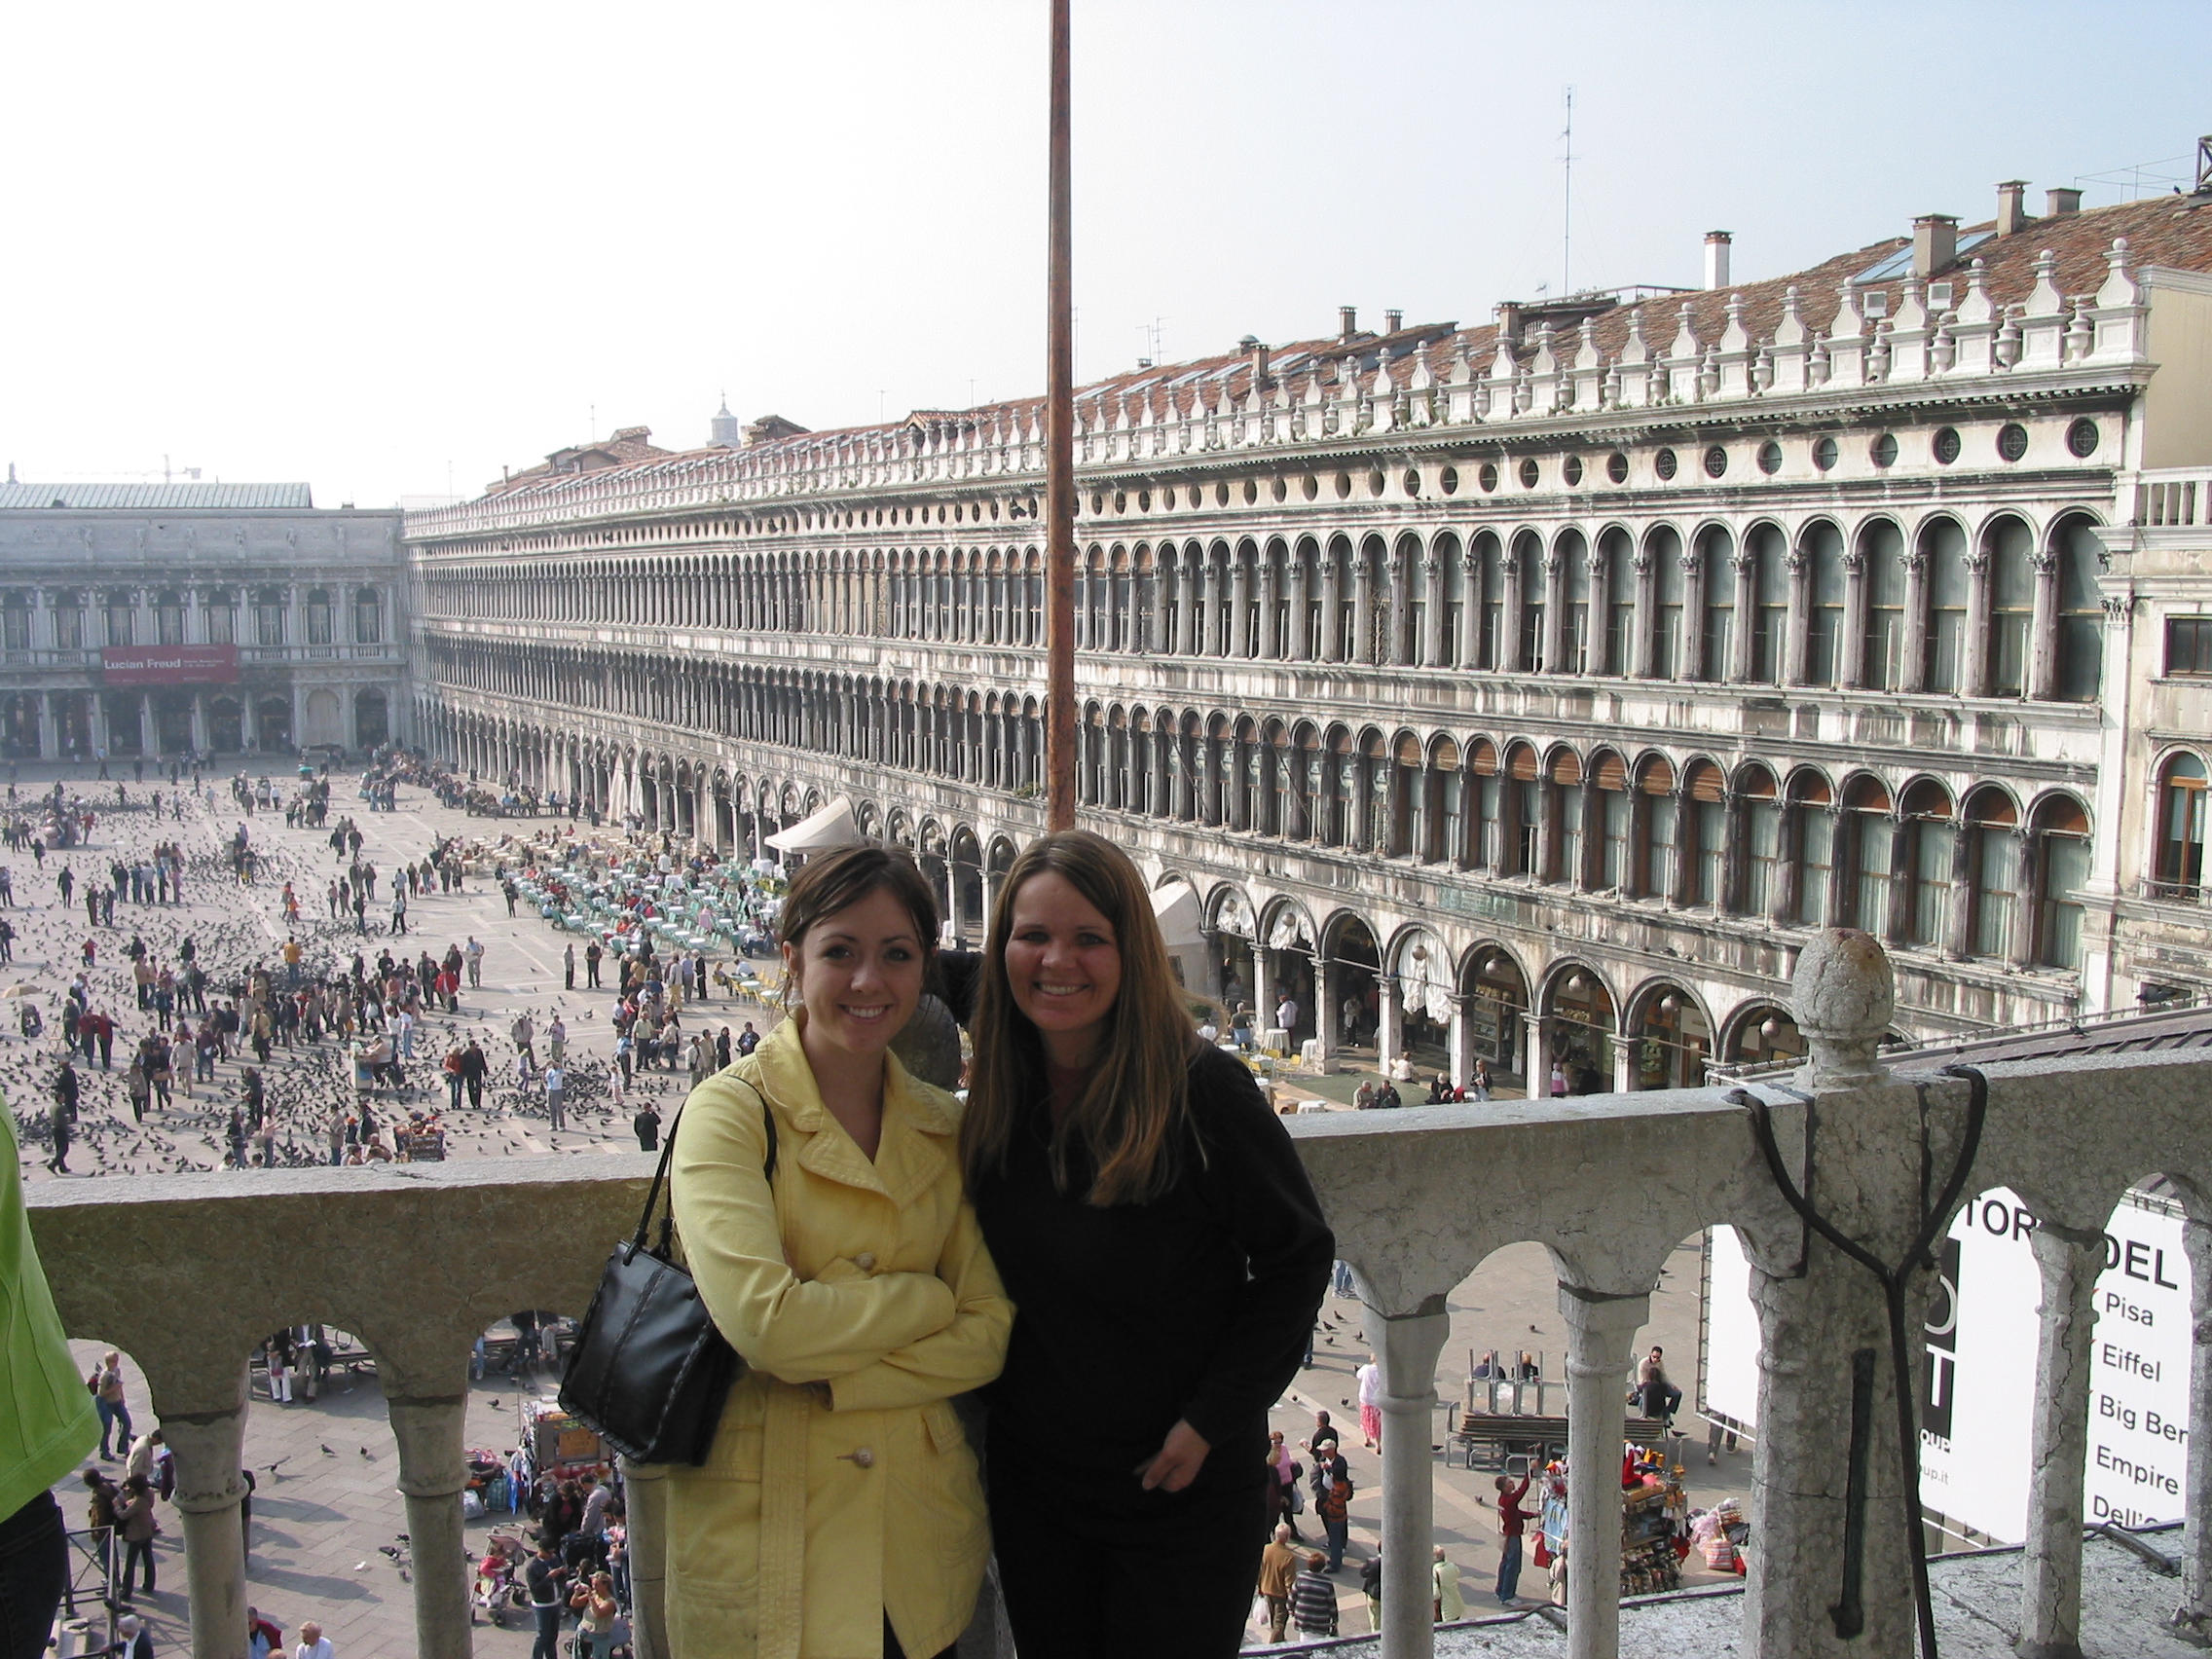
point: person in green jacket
(50, 1429)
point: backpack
(1336, 1502)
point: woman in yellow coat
(838, 1515)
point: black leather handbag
(648, 1370)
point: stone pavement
(320, 1521)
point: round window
(1251, 492)
(1344, 486)
(1144, 500)
(1571, 470)
(1221, 494)
(1716, 461)
(1282, 488)
(1447, 481)
(1412, 481)
(1664, 463)
(1097, 504)
(1770, 457)
(1616, 467)
(1884, 451)
(2013, 440)
(1488, 477)
(2082, 437)
(1120, 501)
(1824, 454)
(1946, 445)
(1376, 482)
(1530, 474)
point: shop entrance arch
(1495, 993)
(1350, 966)
(1580, 1021)
(1673, 1038)
(1764, 1034)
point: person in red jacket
(1512, 1521)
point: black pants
(34, 1571)
(1209, 1543)
(132, 1555)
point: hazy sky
(376, 248)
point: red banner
(169, 665)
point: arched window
(16, 622)
(1769, 620)
(1993, 857)
(1762, 824)
(1446, 811)
(1944, 545)
(1485, 803)
(168, 618)
(368, 617)
(1931, 839)
(2081, 642)
(1706, 843)
(1882, 548)
(1492, 559)
(1826, 586)
(1662, 834)
(2179, 872)
(1452, 577)
(1666, 593)
(2011, 606)
(1524, 803)
(1614, 822)
(1716, 550)
(1620, 603)
(119, 611)
(1567, 805)
(1574, 599)
(319, 616)
(1869, 836)
(1528, 553)
(2062, 829)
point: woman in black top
(1166, 1255)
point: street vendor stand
(560, 1444)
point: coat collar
(916, 1126)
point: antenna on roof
(1566, 201)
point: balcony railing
(2171, 495)
(1419, 1198)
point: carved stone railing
(1419, 1198)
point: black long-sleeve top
(1197, 1306)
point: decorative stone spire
(1841, 997)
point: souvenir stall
(1655, 1524)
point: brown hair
(1130, 1120)
(835, 880)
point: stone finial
(1841, 997)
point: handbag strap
(667, 1151)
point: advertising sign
(169, 665)
(1977, 1382)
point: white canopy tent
(835, 826)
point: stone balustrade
(178, 1271)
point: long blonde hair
(1131, 1119)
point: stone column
(1470, 609)
(1689, 660)
(1555, 613)
(2043, 630)
(2051, 1570)
(1360, 647)
(49, 728)
(1797, 642)
(1265, 996)
(644, 1495)
(1324, 1013)
(1509, 658)
(1463, 1042)
(1600, 1328)
(1918, 656)
(210, 1447)
(1973, 677)
(1406, 1348)
(1389, 1028)
(1646, 613)
(1833, 1575)
(2192, 1620)
(1851, 650)
(149, 730)
(1240, 609)
(432, 1475)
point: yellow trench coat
(840, 1487)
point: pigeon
(328, 1453)
(366, 1452)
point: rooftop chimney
(1392, 322)
(1934, 243)
(1508, 313)
(2058, 204)
(1347, 321)
(1259, 364)
(2011, 208)
(1716, 245)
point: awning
(1176, 908)
(833, 826)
